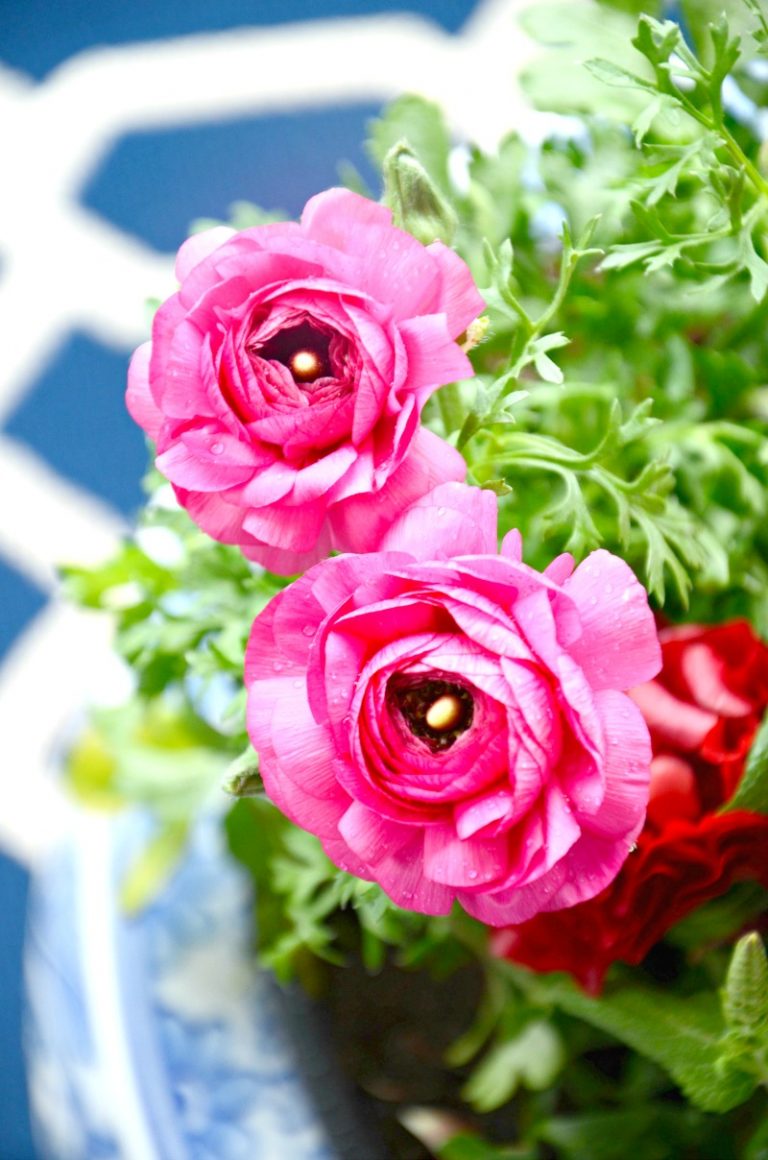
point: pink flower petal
(434, 359)
(466, 863)
(458, 296)
(512, 546)
(561, 830)
(212, 513)
(283, 561)
(371, 836)
(361, 522)
(295, 529)
(450, 520)
(590, 866)
(205, 460)
(199, 246)
(138, 397)
(621, 809)
(485, 811)
(560, 569)
(336, 215)
(619, 647)
(503, 907)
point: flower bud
(417, 204)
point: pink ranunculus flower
(285, 380)
(451, 723)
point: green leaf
(683, 1034)
(530, 1059)
(651, 1131)
(612, 74)
(756, 267)
(467, 1147)
(717, 920)
(759, 34)
(573, 32)
(644, 120)
(752, 793)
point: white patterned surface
(154, 1038)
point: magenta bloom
(451, 723)
(285, 380)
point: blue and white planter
(156, 1038)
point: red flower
(702, 710)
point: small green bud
(242, 778)
(745, 995)
(417, 204)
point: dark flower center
(303, 349)
(435, 710)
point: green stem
(739, 156)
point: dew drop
(299, 684)
(441, 511)
(472, 874)
(308, 630)
(278, 666)
(217, 448)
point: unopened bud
(417, 204)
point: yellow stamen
(305, 365)
(444, 713)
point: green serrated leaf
(530, 1059)
(612, 74)
(683, 1036)
(745, 994)
(642, 123)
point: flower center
(305, 366)
(435, 710)
(303, 349)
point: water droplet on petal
(217, 448)
(308, 630)
(472, 874)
